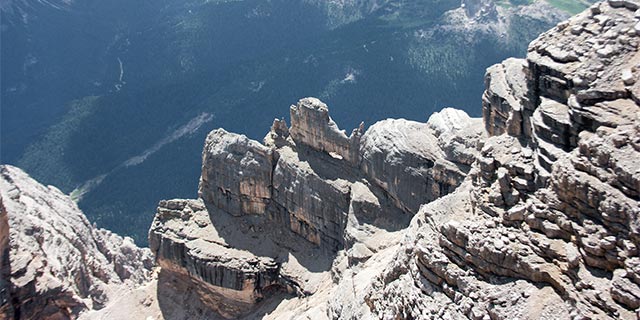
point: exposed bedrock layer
(310, 186)
(55, 265)
(531, 214)
(551, 227)
(302, 176)
(528, 213)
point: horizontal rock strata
(308, 183)
(303, 175)
(229, 280)
(551, 228)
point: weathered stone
(459, 136)
(532, 216)
(627, 77)
(58, 264)
(578, 197)
(230, 281)
(363, 201)
(278, 135)
(504, 100)
(407, 160)
(316, 207)
(6, 306)
(402, 169)
(236, 173)
(312, 126)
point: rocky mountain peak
(312, 126)
(530, 212)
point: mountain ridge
(530, 212)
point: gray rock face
(532, 214)
(59, 265)
(6, 308)
(229, 280)
(316, 207)
(236, 173)
(504, 102)
(312, 126)
(304, 188)
(418, 162)
(301, 178)
(403, 169)
(553, 193)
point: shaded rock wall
(229, 280)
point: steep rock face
(302, 194)
(236, 173)
(551, 228)
(316, 206)
(532, 214)
(59, 265)
(312, 126)
(302, 176)
(418, 162)
(504, 99)
(229, 280)
(404, 170)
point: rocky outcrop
(312, 126)
(6, 307)
(418, 162)
(236, 173)
(532, 214)
(550, 230)
(310, 190)
(505, 98)
(58, 264)
(229, 280)
(301, 178)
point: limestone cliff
(550, 229)
(55, 265)
(528, 213)
(272, 217)
(532, 214)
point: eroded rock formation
(6, 307)
(531, 215)
(550, 230)
(528, 213)
(308, 192)
(55, 265)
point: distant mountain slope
(110, 100)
